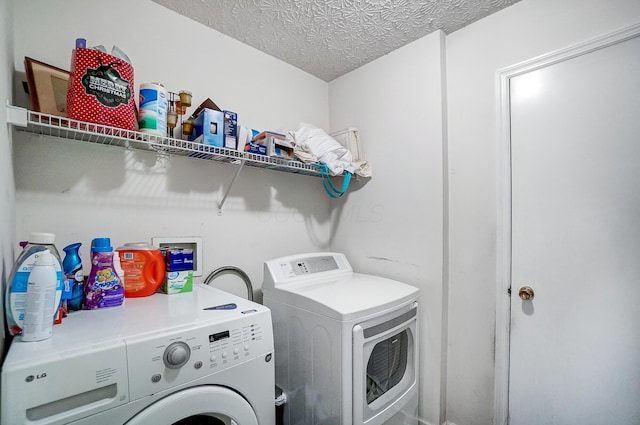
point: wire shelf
(51, 125)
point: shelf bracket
(224, 198)
(17, 116)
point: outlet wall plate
(193, 242)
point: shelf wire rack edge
(54, 126)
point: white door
(575, 144)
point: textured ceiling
(328, 38)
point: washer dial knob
(176, 355)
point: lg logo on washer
(38, 376)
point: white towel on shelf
(311, 139)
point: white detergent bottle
(41, 300)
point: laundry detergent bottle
(16, 296)
(104, 287)
(143, 268)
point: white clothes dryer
(346, 344)
(201, 357)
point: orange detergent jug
(143, 269)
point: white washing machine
(203, 357)
(346, 344)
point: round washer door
(212, 401)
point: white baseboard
(422, 421)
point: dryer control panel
(292, 268)
(313, 265)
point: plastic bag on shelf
(101, 89)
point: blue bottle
(73, 276)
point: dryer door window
(387, 365)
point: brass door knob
(526, 293)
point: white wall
(81, 191)
(528, 29)
(392, 225)
(7, 191)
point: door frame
(503, 221)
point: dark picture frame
(48, 87)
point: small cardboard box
(255, 148)
(208, 128)
(213, 126)
(278, 148)
(178, 259)
(230, 130)
(258, 138)
(277, 144)
(178, 282)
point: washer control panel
(162, 362)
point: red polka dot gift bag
(101, 89)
